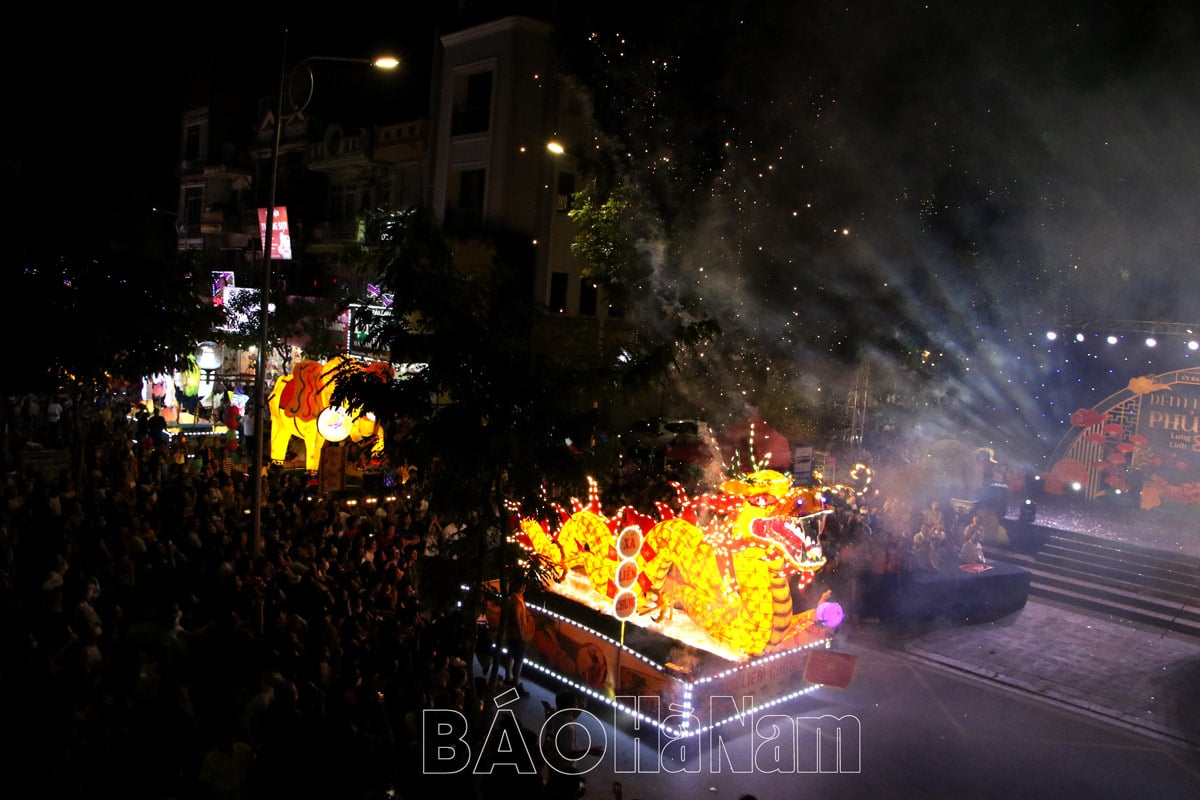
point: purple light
(830, 614)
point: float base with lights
(705, 587)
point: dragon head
(776, 516)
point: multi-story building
(479, 162)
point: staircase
(1139, 584)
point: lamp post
(209, 361)
(258, 460)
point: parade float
(683, 617)
(301, 407)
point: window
(193, 206)
(343, 202)
(464, 213)
(472, 103)
(566, 188)
(558, 292)
(191, 143)
(587, 297)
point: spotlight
(1151, 341)
(1051, 335)
(1076, 486)
(1112, 339)
(1193, 345)
(1079, 337)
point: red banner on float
(281, 239)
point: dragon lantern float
(725, 559)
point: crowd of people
(871, 550)
(150, 650)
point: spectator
(972, 549)
(520, 630)
(562, 749)
(54, 411)
(975, 526)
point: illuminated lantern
(1086, 418)
(334, 424)
(730, 577)
(627, 574)
(629, 542)
(624, 604)
(298, 400)
(830, 614)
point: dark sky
(884, 175)
(93, 98)
(902, 176)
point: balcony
(343, 232)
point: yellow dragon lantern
(723, 559)
(297, 401)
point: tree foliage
(75, 321)
(485, 416)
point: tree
(88, 321)
(78, 326)
(490, 421)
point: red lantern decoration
(1138, 441)
(1113, 429)
(1095, 438)
(1125, 447)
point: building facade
(479, 162)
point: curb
(1045, 690)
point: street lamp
(209, 360)
(260, 369)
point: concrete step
(1086, 601)
(1124, 600)
(1128, 582)
(1153, 561)
(1169, 586)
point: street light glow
(555, 147)
(386, 62)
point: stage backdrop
(1144, 439)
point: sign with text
(802, 465)
(830, 669)
(1169, 419)
(281, 238)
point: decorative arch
(1143, 439)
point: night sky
(956, 178)
(849, 183)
